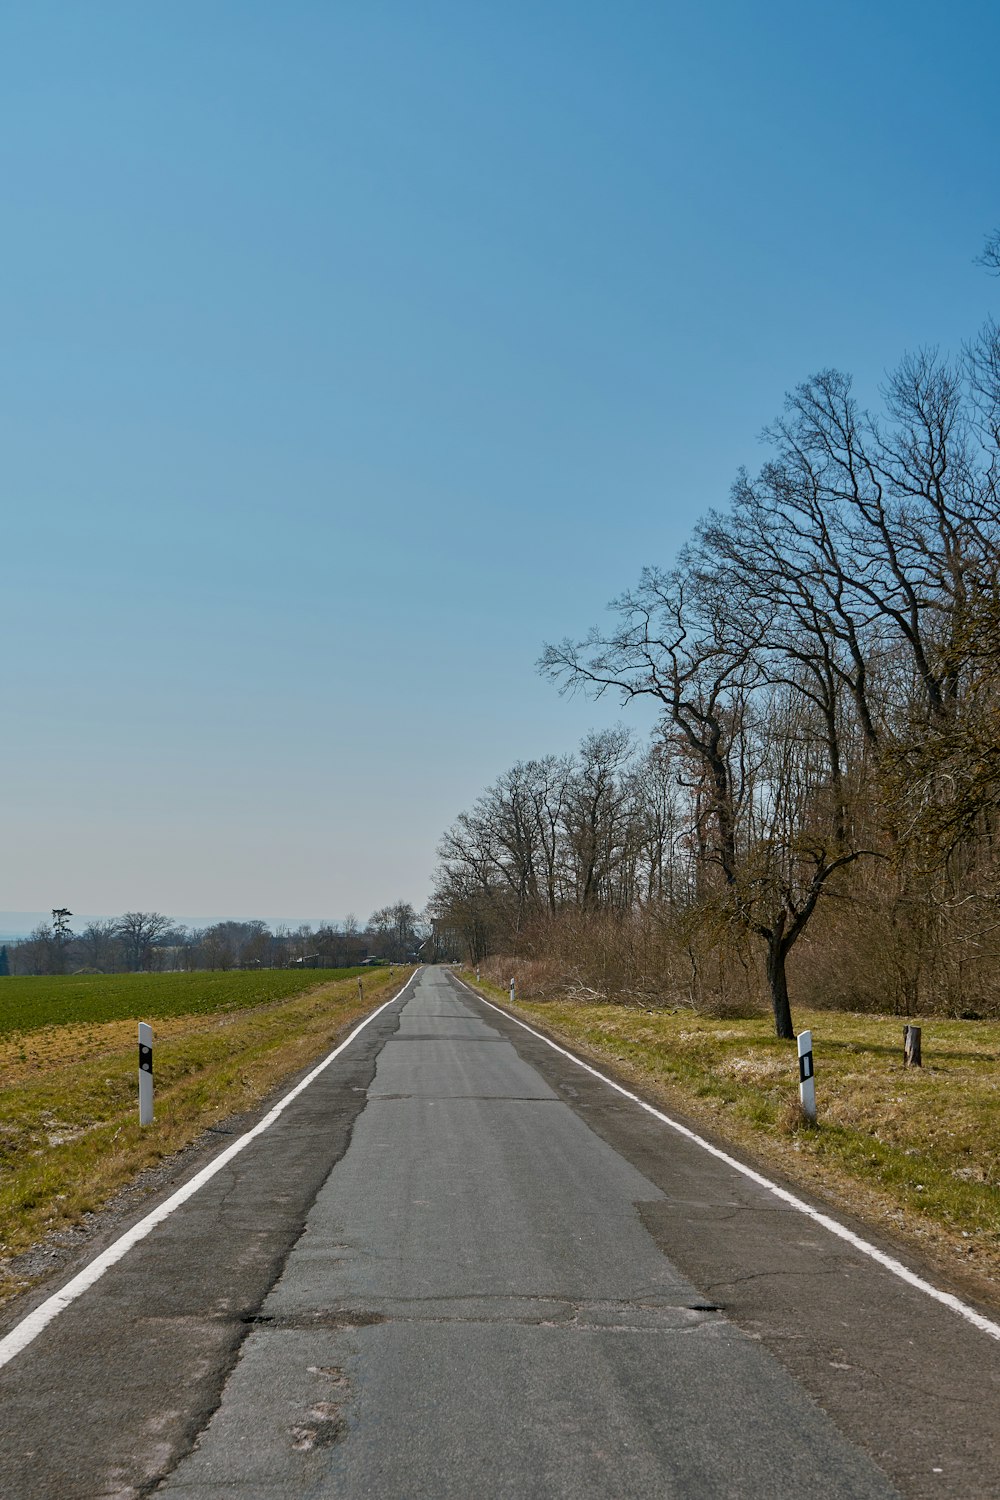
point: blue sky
(351, 351)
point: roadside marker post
(361, 988)
(145, 1074)
(512, 992)
(807, 1083)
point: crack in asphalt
(439, 1036)
(580, 1313)
(487, 1098)
(346, 1321)
(783, 1272)
(452, 1015)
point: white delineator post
(807, 1083)
(512, 992)
(145, 1074)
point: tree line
(147, 940)
(821, 792)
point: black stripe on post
(805, 1066)
(145, 1058)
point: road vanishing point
(459, 1265)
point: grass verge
(916, 1151)
(69, 1132)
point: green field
(27, 1004)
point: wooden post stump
(911, 1047)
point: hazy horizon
(15, 925)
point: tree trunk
(777, 951)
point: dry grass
(917, 1150)
(23, 1057)
(69, 1133)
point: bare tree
(396, 929)
(61, 936)
(990, 256)
(679, 644)
(825, 656)
(674, 645)
(99, 945)
(597, 819)
(138, 931)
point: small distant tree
(36, 951)
(99, 946)
(61, 935)
(138, 931)
(258, 950)
(229, 945)
(4, 962)
(395, 929)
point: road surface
(460, 1266)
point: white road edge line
(23, 1333)
(840, 1230)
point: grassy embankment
(917, 1151)
(69, 1132)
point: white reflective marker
(807, 1082)
(888, 1262)
(145, 1074)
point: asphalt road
(460, 1266)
